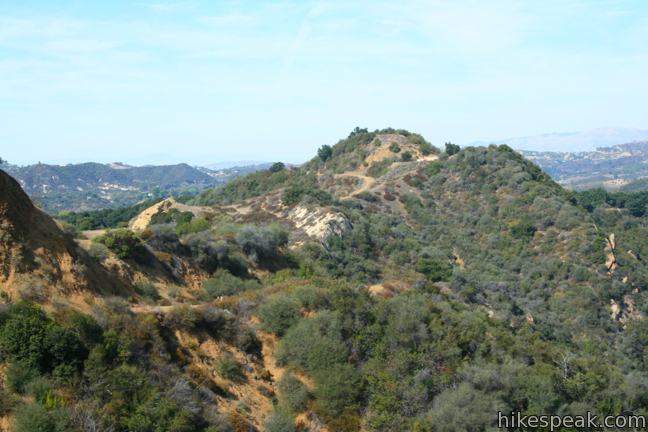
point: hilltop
(384, 285)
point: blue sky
(203, 82)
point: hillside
(385, 285)
(93, 186)
(612, 168)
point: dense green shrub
(434, 269)
(194, 226)
(28, 336)
(223, 283)
(123, 242)
(279, 313)
(261, 243)
(406, 156)
(394, 148)
(314, 343)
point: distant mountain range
(619, 167)
(573, 141)
(92, 186)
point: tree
(395, 148)
(325, 152)
(636, 204)
(406, 156)
(277, 166)
(451, 148)
(358, 131)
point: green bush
(279, 313)
(98, 251)
(337, 389)
(310, 297)
(523, 229)
(394, 148)
(29, 337)
(293, 394)
(279, 422)
(194, 226)
(434, 168)
(19, 375)
(295, 193)
(434, 269)
(261, 243)
(35, 418)
(123, 242)
(40, 389)
(314, 343)
(223, 283)
(406, 156)
(276, 167)
(147, 290)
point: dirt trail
(367, 182)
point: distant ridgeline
(94, 186)
(620, 167)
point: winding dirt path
(367, 182)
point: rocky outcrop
(624, 310)
(610, 257)
(320, 222)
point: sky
(206, 82)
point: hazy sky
(242, 80)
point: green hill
(385, 285)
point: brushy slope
(462, 284)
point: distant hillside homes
(93, 186)
(619, 167)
